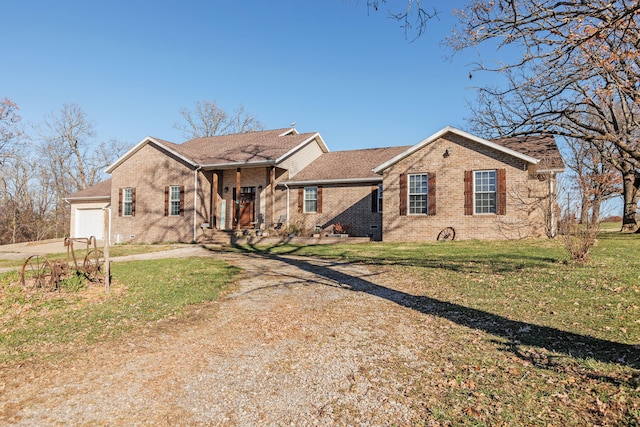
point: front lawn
(38, 324)
(523, 335)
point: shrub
(579, 239)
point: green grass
(532, 281)
(517, 333)
(39, 325)
(525, 336)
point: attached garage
(89, 222)
(87, 211)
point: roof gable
(261, 147)
(270, 146)
(170, 147)
(491, 144)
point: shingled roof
(542, 147)
(260, 147)
(541, 151)
(345, 166)
(101, 190)
(250, 147)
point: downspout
(108, 209)
(195, 202)
(287, 187)
(552, 201)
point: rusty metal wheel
(93, 262)
(37, 271)
(447, 234)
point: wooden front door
(246, 212)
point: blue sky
(332, 66)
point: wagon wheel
(93, 262)
(37, 269)
(447, 234)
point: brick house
(161, 191)
(482, 189)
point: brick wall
(350, 205)
(524, 216)
(149, 170)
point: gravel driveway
(300, 342)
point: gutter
(335, 181)
(235, 165)
(87, 199)
(550, 171)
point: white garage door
(89, 222)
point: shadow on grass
(502, 262)
(516, 333)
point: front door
(246, 213)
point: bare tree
(208, 119)
(9, 126)
(73, 159)
(576, 75)
(596, 178)
(413, 18)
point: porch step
(220, 237)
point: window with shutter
(418, 193)
(174, 200)
(127, 201)
(485, 192)
(312, 199)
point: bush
(579, 239)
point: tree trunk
(631, 194)
(584, 209)
(595, 210)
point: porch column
(214, 201)
(236, 202)
(272, 196)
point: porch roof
(264, 147)
(268, 147)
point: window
(418, 193)
(127, 201)
(485, 195)
(310, 199)
(379, 197)
(174, 200)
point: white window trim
(475, 209)
(128, 190)
(379, 201)
(305, 199)
(172, 200)
(409, 194)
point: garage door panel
(89, 222)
